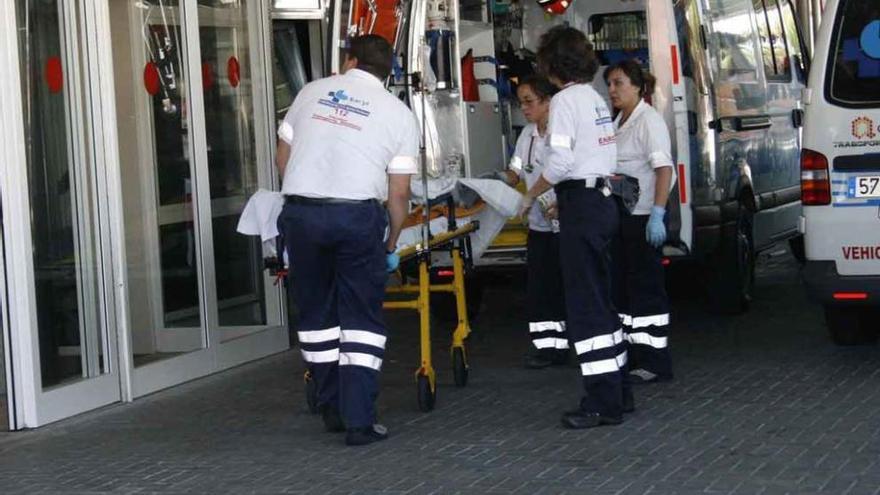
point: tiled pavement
(762, 403)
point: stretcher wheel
(427, 397)
(459, 367)
(311, 392)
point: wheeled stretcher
(417, 258)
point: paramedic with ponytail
(581, 156)
(644, 151)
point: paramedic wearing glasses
(581, 156)
(345, 146)
(644, 151)
(546, 306)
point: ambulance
(840, 172)
(730, 75)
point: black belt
(302, 200)
(593, 183)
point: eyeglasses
(528, 102)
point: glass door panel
(155, 136)
(62, 187)
(228, 89)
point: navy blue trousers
(338, 275)
(640, 297)
(545, 294)
(588, 223)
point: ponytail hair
(644, 80)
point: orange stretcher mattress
(417, 216)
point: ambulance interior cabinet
(483, 129)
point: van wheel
(850, 326)
(733, 266)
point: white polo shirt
(581, 136)
(528, 162)
(346, 133)
(643, 146)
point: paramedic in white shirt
(345, 147)
(644, 151)
(582, 155)
(546, 303)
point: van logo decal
(854, 51)
(870, 39)
(863, 128)
(861, 252)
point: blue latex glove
(392, 261)
(656, 230)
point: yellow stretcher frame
(426, 379)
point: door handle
(745, 123)
(755, 123)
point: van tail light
(815, 180)
(850, 296)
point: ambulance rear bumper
(827, 287)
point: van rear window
(854, 79)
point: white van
(840, 171)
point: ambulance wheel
(311, 393)
(850, 326)
(733, 266)
(426, 396)
(459, 367)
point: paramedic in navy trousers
(582, 154)
(546, 304)
(644, 151)
(345, 146)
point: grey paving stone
(762, 403)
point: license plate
(866, 186)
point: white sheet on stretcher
(260, 215)
(502, 203)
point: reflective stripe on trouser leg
(601, 354)
(591, 319)
(313, 287)
(319, 346)
(648, 340)
(548, 335)
(360, 281)
(545, 299)
(645, 306)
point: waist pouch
(626, 189)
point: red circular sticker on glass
(151, 78)
(54, 75)
(233, 71)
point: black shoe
(332, 420)
(366, 436)
(629, 402)
(579, 420)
